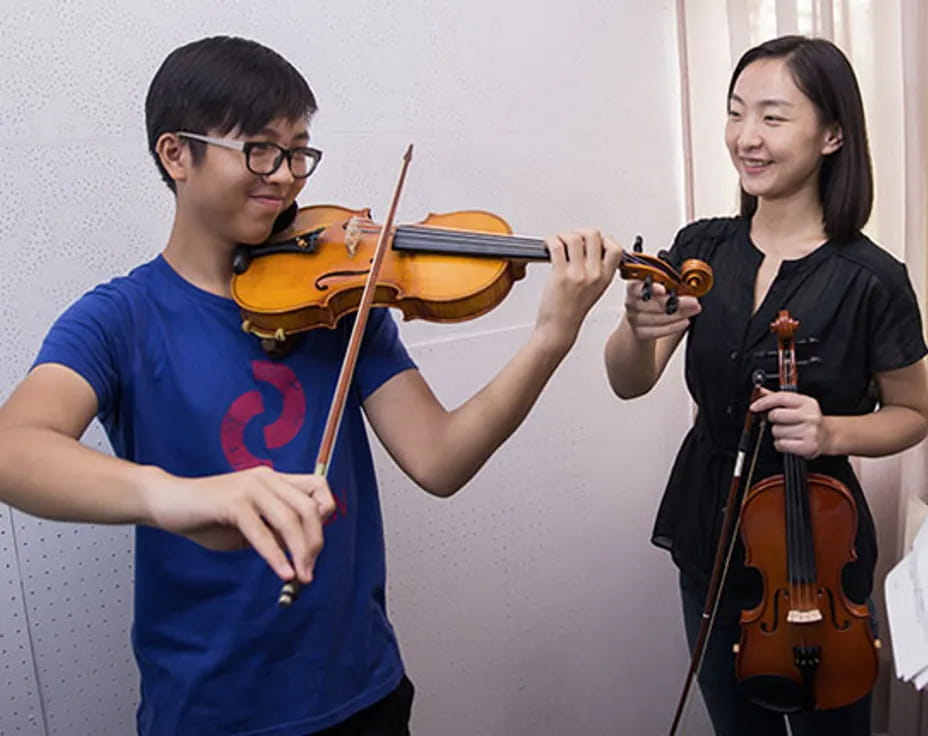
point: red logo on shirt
(250, 405)
(278, 433)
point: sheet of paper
(921, 679)
(907, 620)
(918, 572)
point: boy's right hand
(278, 514)
(649, 319)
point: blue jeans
(734, 715)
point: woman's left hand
(797, 424)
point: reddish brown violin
(805, 645)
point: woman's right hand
(280, 515)
(648, 318)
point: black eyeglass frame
(246, 147)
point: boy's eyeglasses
(263, 158)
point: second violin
(805, 645)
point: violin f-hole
(321, 281)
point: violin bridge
(353, 235)
(796, 616)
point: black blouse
(856, 300)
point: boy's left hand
(796, 422)
(583, 264)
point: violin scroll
(695, 277)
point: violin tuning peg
(673, 303)
(663, 255)
(638, 244)
(646, 292)
(814, 360)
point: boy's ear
(174, 155)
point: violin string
(797, 489)
(476, 243)
(793, 574)
(802, 501)
(798, 522)
(534, 247)
(805, 537)
(811, 572)
(793, 552)
(449, 235)
(790, 533)
(802, 504)
(468, 235)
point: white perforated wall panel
(79, 601)
(539, 576)
(20, 709)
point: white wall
(530, 603)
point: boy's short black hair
(221, 83)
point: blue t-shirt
(180, 386)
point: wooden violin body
(805, 645)
(319, 283)
(448, 268)
(827, 650)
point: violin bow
(726, 546)
(291, 588)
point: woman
(797, 137)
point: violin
(805, 645)
(447, 268)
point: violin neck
(421, 239)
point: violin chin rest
(285, 219)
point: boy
(218, 498)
